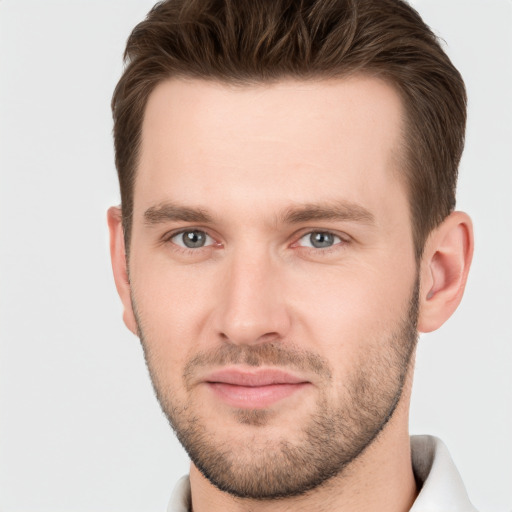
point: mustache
(264, 354)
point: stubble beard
(334, 435)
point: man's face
(272, 274)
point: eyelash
(322, 250)
(188, 250)
(343, 241)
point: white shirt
(441, 490)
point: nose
(252, 307)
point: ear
(444, 270)
(119, 265)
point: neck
(380, 479)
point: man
(287, 227)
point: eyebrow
(166, 212)
(337, 211)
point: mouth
(255, 389)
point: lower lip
(254, 397)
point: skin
(248, 157)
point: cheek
(172, 305)
(347, 309)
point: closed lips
(254, 379)
(254, 390)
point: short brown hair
(245, 42)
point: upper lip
(253, 378)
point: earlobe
(444, 270)
(119, 265)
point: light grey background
(79, 427)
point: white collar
(441, 485)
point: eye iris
(194, 239)
(321, 240)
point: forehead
(301, 140)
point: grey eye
(193, 239)
(319, 240)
